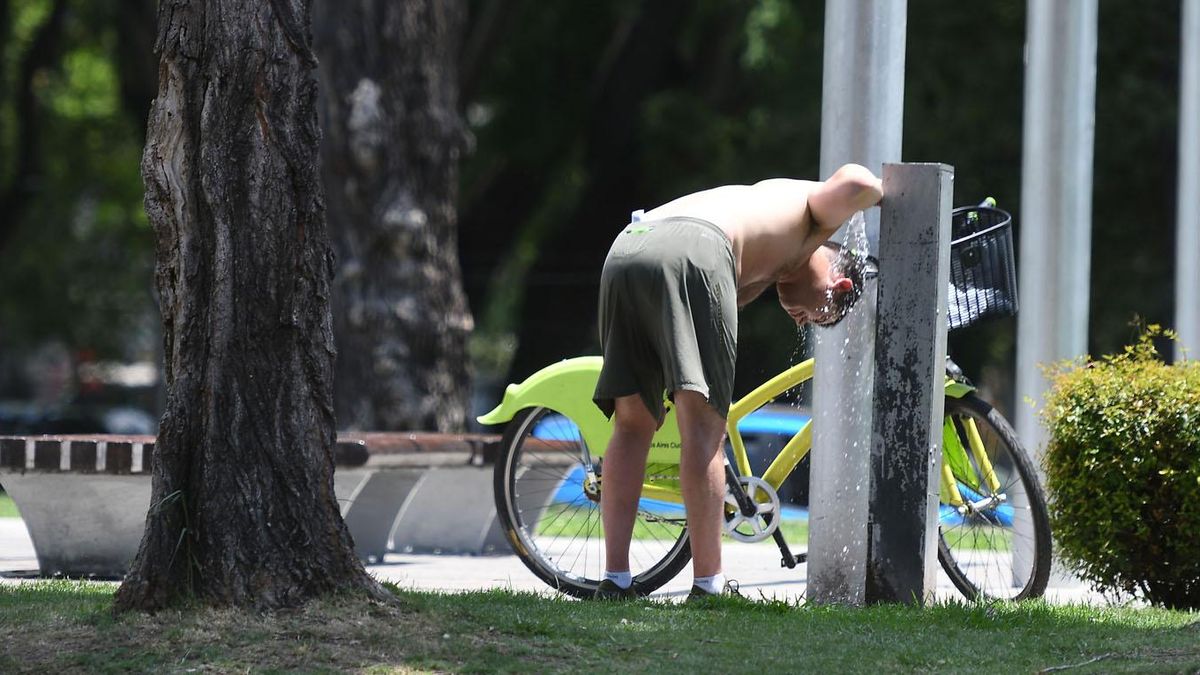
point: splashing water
(799, 351)
(852, 256)
(850, 259)
(856, 235)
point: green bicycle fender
(955, 389)
(567, 387)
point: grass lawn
(7, 508)
(69, 627)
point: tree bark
(393, 136)
(243, 510)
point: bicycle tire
(553, 524)
(984, 553)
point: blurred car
(23, 419)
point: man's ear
(843, 285)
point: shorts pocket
(632, 240)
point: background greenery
(580, 113)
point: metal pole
(910, 368)
(1187, 244)
(1056, 197)
(861, 121)
(1056, 210)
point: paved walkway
(755, 566)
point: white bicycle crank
(763, 522)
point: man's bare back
(775, 225)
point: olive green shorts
(668, 314)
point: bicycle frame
(567, 387)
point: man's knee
(700, 425)
(693, 408)
(632, 418)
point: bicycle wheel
(997, 544)
(549, 509)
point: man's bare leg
(621, 481)
(702, 478)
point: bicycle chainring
(764, 522)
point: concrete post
(1187, 244)
(862, 103)
(910, 367)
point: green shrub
(1123, 472)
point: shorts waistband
(695, 221)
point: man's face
(805, 302)
(807, 294)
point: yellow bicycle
(994, 532)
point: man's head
(823, 290)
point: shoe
(730, 590)
(609, 590)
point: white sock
(714, 584)
(622, 579)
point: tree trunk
(243, 509)
(393, 137)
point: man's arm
(850, 189)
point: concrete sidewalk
(755, 566)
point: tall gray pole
(1056, 210)
(1187, 243)
(1056, 197)
(862, 103)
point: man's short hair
(850, 264)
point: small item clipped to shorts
(636, 217)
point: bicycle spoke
(991, 538)
(548, 499)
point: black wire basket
(983, 274)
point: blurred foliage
(582, 112)
(1123, 472)
(78, 265)
(734, 96)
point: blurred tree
(243, 509)
(24, 180)
(1137, 126)
(392, 140)
(76, 245)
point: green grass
(68, 626)
(7, 508)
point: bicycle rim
(552, 518)
(998, 547)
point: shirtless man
(669, 295)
